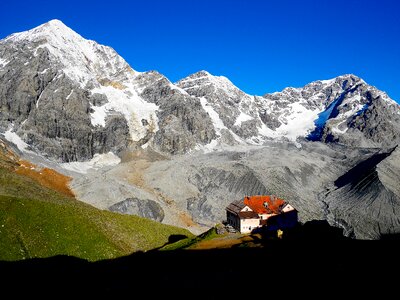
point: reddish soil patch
(46, 177)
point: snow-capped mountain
(69, 98)
(341, 109)
(344, 109)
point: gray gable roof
(235, 207)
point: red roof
(264, 204)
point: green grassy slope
(36, 221)
(192, 241)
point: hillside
(36, 220)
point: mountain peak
(352, 77)
(81, 59)
(205, 75)
(202, 78)
(345, 77)
(56, 26)
(53, 29)
(198, 75)
(201, 73)
(55, 22)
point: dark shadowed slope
(309, 267)
(368, 194)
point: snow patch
(328, 81)
(299, 123)
(335, 129)
(265, 131)
(37, 102)
(128, 103)
(357, 109)
(242, 118)
(16, 140)
(97, 162)
(218, 126)
(196, 86)
(217, 122)
(210, 147)
(69, 95)
(177, 88)
(98, 116)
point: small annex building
(266, 211)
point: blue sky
(261, 46)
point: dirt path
(226, 241)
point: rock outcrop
(143, 208)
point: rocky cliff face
(233, 112)
(183, 124)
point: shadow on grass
(173, 238)
(333, 262)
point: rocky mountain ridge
(69, 98)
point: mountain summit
(80, 59)
(54, 29)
